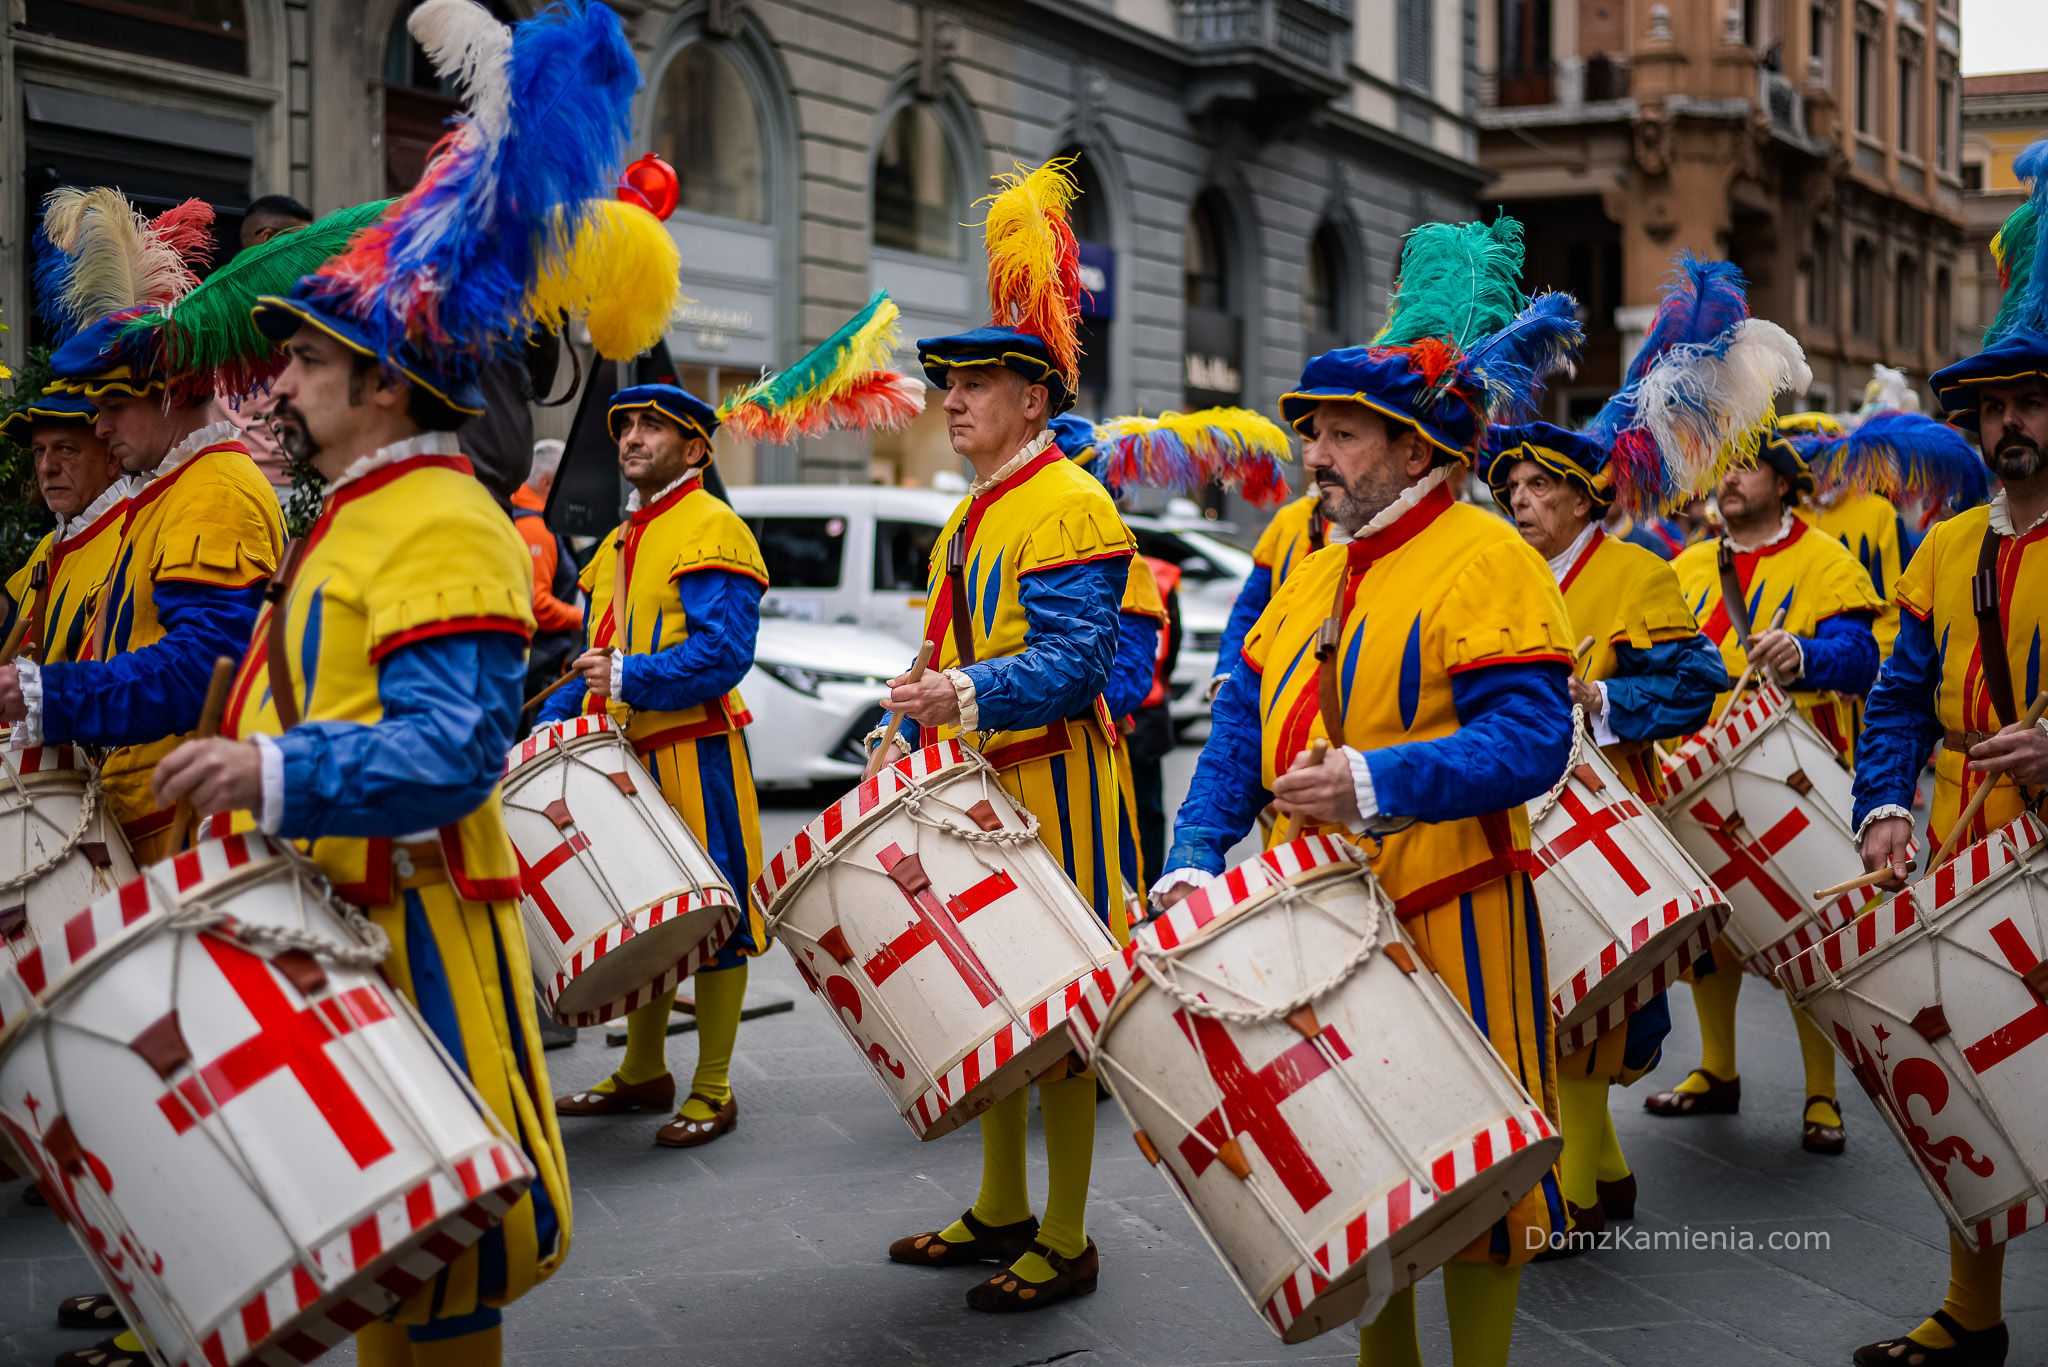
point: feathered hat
(99, 264)
(54, 409)
(1235, 447)
(696, 417)
(1898, 455)
(2016, 344)
(1034, 289)
(1462, 343)
(515, 224)
(844, 383)
(1571, 456)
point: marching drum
(1762, 801)
(1936, 999)
(948, 941)
(1332, 1118)
(257, 1142)
(1625, 908)
(621, 902)
(59, 850)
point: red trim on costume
(760, 579)
(32, 635)
(1485, 871)
(148, 825)
(1057, 740)
(1717, 626)
(475, 889)
(1534, 657)
(1361, 554)
(375, 889)
(642, 516)
(1080, 560)
(454, 626)
(156, 486)
(939, 611)
(1599, 536)
(118, 509)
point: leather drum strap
(1318, 530)
(956, 575)
(40, 580)
(1991, 631)
(1329, 697)
(1731, 595)
(284, 697)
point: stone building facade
(1249, 165)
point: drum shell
(53, 779)
(873, 949)
(622, 900)
(1927, 998)
(194, 1161)
(1475, 1136)
(1625, 908)
(1769, 766)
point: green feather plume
(211, 331)
(1457, 283)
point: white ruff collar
(1410, 496)
(210, 435)
(1784, 530)
(2001, 517)
(121, 488)
(634, 504)
(1032, 450)
(1561, 563)
(425, 444)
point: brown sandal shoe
(684, 1133)
(1720, 1098)
(96, 1311)
(1973, 1348)
(653, 1097)
(991, 1243)
(1618, 1199)
(1826, 1139)
(102, 1354)
(1588, 1223)
(1008, 1292)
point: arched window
(1863, 290)
(707, 126)
(1098, 278)
(1214, 345)
(1325, 293)
(1204, 272)
(417, 102)
(209, 33)
(1906, 304)
(917, 188)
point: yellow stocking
(720, 994)
(1582, 1103)
(484, 1348)
(1713, 996)
(383, 1344)
(1613, 1164)
(1975, 1283)
(646, 1044)
(1819, 1057)
(1003, 1199)
(1390, 1340)
(1480, 1300)
(1068, 1109)
(128, 1341)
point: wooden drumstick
(1290, 825)
(1579, 655)
(16, 636)
(209, 727)
(553, 688)
(1749, 671)
(1883, 879)
(881, 754)
(1955, 832)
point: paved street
(768, 1246)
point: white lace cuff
(1800, 646)
(29, 730)
(1362, 789)
(963, 690)
(619, 675)
(1603, 725)
(1193, 879)
(270, 813)
(1877, 813)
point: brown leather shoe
(1006, 1292)
(1827, 1139)
(991, 1243)
(102, 1354)
(1618, 1199)
(1720, 1098)
(94, 1311)
(652, 1097)
(1588, 1222)
(1979, 1348)
(685, 1133)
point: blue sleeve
(450, 706)
(157, 691)
(1244, 614)
(1899, 723)
(1071, 613)
(1514, 735)
(1137, 649)
(1666, 690)
(1841, 655)
(1225, 796)
(723, 610)
(564, 703)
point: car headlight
(806, 681)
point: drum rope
(88, 809)
(1542, 806)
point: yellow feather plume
(1034, 265)
(621, 274)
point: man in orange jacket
(558, 618)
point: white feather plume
(1706, 412)
(1888, 390)
(468, 45)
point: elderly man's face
(991, 411)
(2013, 428)
(1548, 512)
(1360, 462)
(73, 466)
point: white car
(815, 692)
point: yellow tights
(719, 995)
(1975, 1282)
(1713, 996)
(1592, 1153)
(1067, 1108)
(1479, 1300)
(387, 1345)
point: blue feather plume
(1702, 301)
(1899, 455)
(53, 267)
(1516, 362)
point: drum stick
(16, 636)
(1580, 653)
(209, 727)
(552, 689)
(1748, 672)
(1955, 832)
(881, 755)
(1290, 825)
(1883, 879)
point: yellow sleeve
(1914, 590)
(1141, 592)
(1279, 528)
(1654, 609)
(1699, 582)
(1075, 526)
(1503, 608)
(586, 578)
(1840, 583)
(720, 541)
(461, 567)
(221, 525)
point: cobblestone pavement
(768, 1246)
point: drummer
(693, 579)
(52, 597)
(1452, 711)
(201, 538)
(1943, 684)
(1647, 675)
(1024, 633)
(1297, 530)
(1825, 654)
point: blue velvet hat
(1022, 352)
(681, 407)
(95, 360)
(450, 375)
(2020, 354)
(1776, 450)
(1572, 457)
(54, 407)
(1388, 381)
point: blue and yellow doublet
(1869, 528)
(59, 588)
(1295, 532)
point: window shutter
(1413, 39)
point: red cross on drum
(1936, 998)
(1625, 908)
(945, 938)
(1762, 802)
(1334, 1151)
(260, 1147)
(622, 902)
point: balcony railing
(1314, 33)
(1570, 81)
